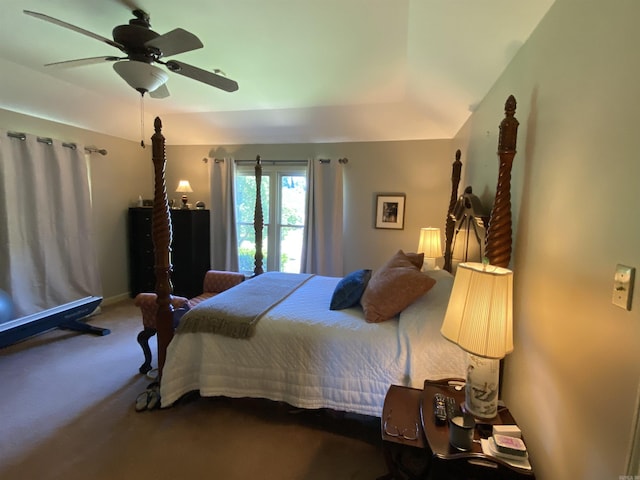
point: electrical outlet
(623, 286)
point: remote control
(452, 407)
(439, 409)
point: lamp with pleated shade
(431, 246)
(479, 319)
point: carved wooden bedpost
(498, 239)
(258, 220)
(450, 222)
(161, 235)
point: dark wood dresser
(190, 251)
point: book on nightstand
(510, 445)
(519, 460)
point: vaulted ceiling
(308, 70)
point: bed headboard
(497, 242)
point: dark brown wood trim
(161, 235)
(450, 222)
(498, 240)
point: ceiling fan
(142, 49)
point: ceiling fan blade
(82, 61)
(174, 42)
(203, 76)
(131, 6)
(161, 92)
(61, 23)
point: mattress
(311, 357)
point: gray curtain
(224, 251)
(322, 250)
(47, 256)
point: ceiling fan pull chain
(142, 120)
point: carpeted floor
(67, 412)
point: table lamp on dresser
(479, 319)
(184, 187)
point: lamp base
(481, 389)
(184, 202)
(429, 264)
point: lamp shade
(142, 76)
(479, 316)
(184, 187)
(430, 243)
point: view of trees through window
(283, 195)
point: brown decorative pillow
(416, 258)
(394, 287)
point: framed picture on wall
(390, 211)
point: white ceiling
(308, 70)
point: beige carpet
(67, 412)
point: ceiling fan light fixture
(142, 76)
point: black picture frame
(390, 211)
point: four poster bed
(275, 336)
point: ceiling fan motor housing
(142, 18)
(134, 38)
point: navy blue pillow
(178, 313)
(350, 289)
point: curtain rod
(272, 162)
(49, 141)
(277, 162)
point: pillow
(394, 287)
(416, 258)
(349, 290)
(178, 314)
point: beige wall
(420, 169)
(573, 378)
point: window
(284, 195)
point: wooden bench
(215, 282)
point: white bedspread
(312, 357)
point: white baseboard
(115, 299)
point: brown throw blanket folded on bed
(235, 312)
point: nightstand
(449, 463)
(403, 440)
